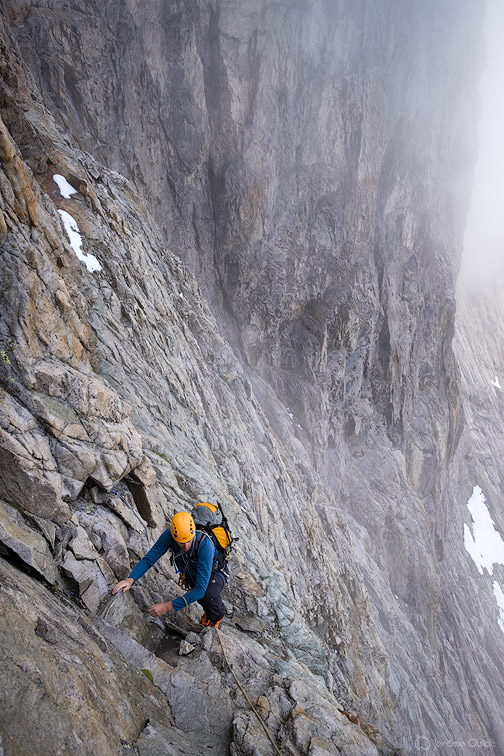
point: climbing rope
(245, 695)
(198, 627)
(270, 737)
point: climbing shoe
(207, 622)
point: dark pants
(211, 601)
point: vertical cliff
(281, 339)
(300, 158)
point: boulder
(32, 548)
(22, 484)
(93, 577)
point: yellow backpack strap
(207, 504)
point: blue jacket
(197, 567)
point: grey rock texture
(478, 346)
(281, 339)
(291, 158)
(18, 538)
(155, 420)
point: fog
(484, 238)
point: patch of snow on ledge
(66, 190)
(499, 597)
(484, 545)
(73, 233)
(496, 383)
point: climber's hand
(124, 585)
(159, 609)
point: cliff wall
(307, 165)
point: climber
(194, 557)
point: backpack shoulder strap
(200, 535)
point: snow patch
(75, 238)
(496, 383)
(499, 597)
(484, 545)
(290, 415)
(66, 190)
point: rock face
(270, 198)
(290, 159)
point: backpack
(211, 520)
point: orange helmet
(182, 527)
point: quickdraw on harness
(184, 582)
(180, 563)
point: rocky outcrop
(478, 347)
(280, 341)
(92, 688)
(300, 160)
(122, 399)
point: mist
(484, 237)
